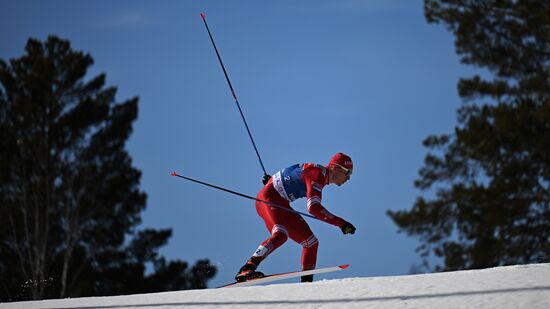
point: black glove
(266, 179)
(348, 228)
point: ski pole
(245, 196)
(233, 93)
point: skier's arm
(314, 180)
(322, 213)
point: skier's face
(340, 175)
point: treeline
(70, 201)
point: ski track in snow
(525, 286)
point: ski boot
(307, 278)
(248, 272)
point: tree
(487, 186)
(69, 195)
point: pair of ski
(282, 276)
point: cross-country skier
(294, 182)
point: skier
(297, 181)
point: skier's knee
(312, 243)
(279, 232)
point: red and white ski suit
(300, 180)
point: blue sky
(369, 78)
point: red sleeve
(315, 180)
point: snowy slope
(502, 287)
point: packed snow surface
(526, 286)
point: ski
(282, 276)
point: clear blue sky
(368, 78)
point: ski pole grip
(203, 16)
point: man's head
(340, 168)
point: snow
(524, 286)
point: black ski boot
(307, 278)
(248, 272)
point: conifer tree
(70, 200)
(487, 184)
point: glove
(266, 179)
(348, 228)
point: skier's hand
(348, 228)
(266, 179)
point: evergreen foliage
(69, 195)
(487, 185)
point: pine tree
(69, 196)
(487, 185)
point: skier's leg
(274, 222)
(300, 232)
(279, 236)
